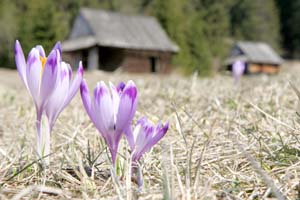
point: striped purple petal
(58, 47)
(104, 107)
(49, 75)
(127, 106)
(86, 99)
(156, 137)
(146, 135)
(33, 75)
(56, 101)
(20, 62)
(41, 50)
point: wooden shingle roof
(112, 29)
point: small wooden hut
(258, 57)
(109, 41)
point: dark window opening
(153, 64)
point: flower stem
(136, 169)
(140, 180)
(43, 139)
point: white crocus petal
(34, 73)
(97, 118)
(136, 132)
(115, 99)
(74, 86)
(104, 106)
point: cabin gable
(81, 28)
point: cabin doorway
(153, 64)
(110, 59)
(85, 55)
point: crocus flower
(238, 68)
(145, 136)
(142, 139)
(111, 113)
(48, 80)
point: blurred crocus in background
(111, 113)
(49, 82)
(144, 136)
(238, 68)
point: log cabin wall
(110, 59)
(146, 61)
(254, 68)
(270, 69)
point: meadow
(224, 141)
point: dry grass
(224, 142)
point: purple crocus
(238, 68)
(112, 112)
(49, 83)
(142, 139)
(144, 136)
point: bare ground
(224, 141)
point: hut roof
(120, 30)
(256, 52)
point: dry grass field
(224, 142)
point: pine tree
(290, 26)
(40, 24)
(198, 47)
(256, 21)
(216, 28)
(8, 24)
(171, 15)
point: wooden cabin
(258, 57)
(109, 41)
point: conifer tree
(255, 21)
(173, 18)
(8, 24)
(290, 26)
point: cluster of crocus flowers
(111, 109)
(49, 82)
(112, 112)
